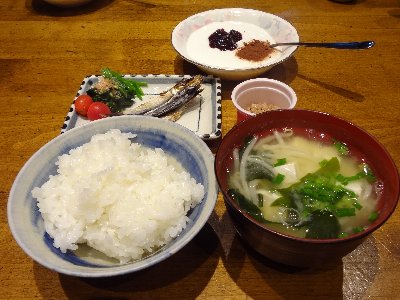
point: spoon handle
(345, 45)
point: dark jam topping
(223, 40)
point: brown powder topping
(254, 50)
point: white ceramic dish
(25, 220)
(203, 117)
(190, 39)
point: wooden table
(45, 53)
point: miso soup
(304, 183)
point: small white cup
(262, 90)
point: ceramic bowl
(273, 93)
(25, 220)
(306, 252)
(67, 3)
(190, 40)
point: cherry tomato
(98, 110)
(82, 104)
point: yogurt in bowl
(190, 38)
(198, 49)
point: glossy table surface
(45, 52)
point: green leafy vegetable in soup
(303, 187)
(341, 147)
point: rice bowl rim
(206, 206)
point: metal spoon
(341, 45)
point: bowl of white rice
(113, 197)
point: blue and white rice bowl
(26, 222)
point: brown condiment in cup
(257, 108)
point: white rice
(119, 197)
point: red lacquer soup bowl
(295, 251)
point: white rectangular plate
(203, 117)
